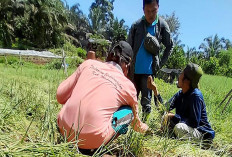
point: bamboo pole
(227, 104)
(225, 98)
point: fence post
(5, 59)
(64, 63)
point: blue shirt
(144, 59)
(191, 110)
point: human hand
(166, 120)
(151, 85)
(149, 132)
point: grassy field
(28, 110)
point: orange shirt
(90, 96)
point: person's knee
(180, 129)
(180, 126)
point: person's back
(101, 89)
(99, 101)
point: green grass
(28, 112)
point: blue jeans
(140, 81)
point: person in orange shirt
(99, 101)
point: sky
(198, 19)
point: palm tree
(101, 15)
(46, 21)
(9, 11)
(116, 31)
(78, 25)
(212, 46)
(97, 24)
(227, 43)
(191, 52)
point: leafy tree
(225, 62)
(225, 58)
(177, 60)
(211, 66)
(174, 25)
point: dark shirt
(136, 36)
(191, 110)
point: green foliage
(74, 56)
(71, 62)
(81, 52)
(40, 22)
(177, 59)
(211, 66)
(70, 50)
(74, 62)
(28, 118)
(220, 65)
(9, 60)
(99, 45)
(225, 58)
(195, 60)
(55, 64)
(21, 44)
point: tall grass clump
(28, 118)
(28, 111)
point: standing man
(146, 59)
(99, 101)
(190, 120)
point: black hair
(116, 56)
(149, 2)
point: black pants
(89, 152)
